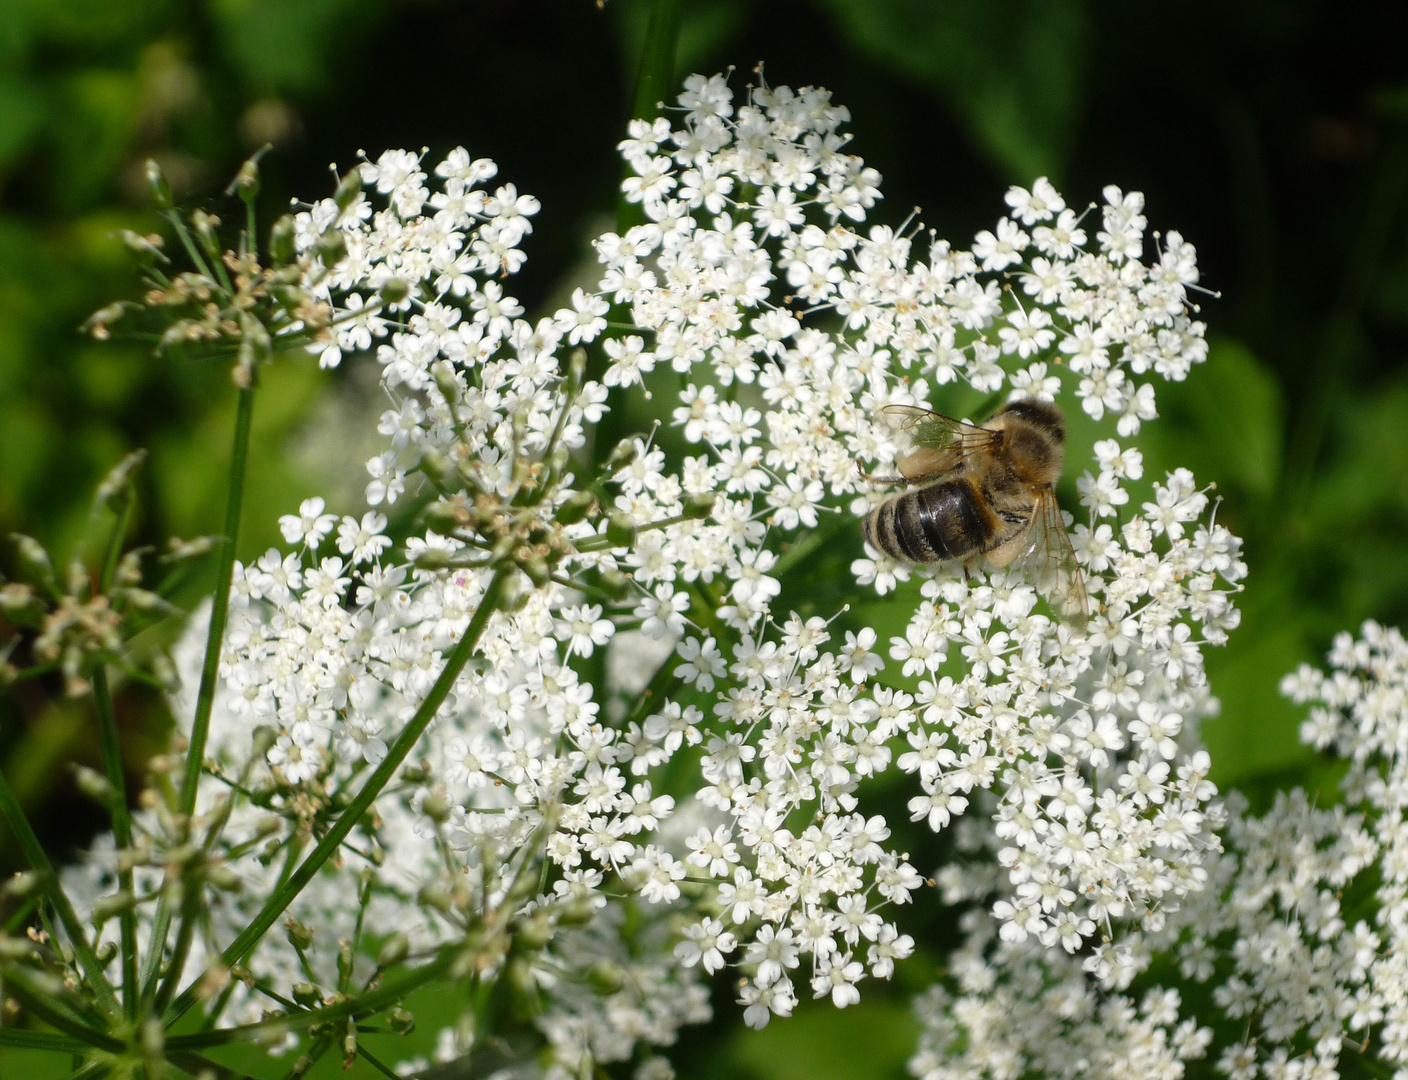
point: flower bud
(534, 932)
(605, 977)
(19, 604)
(224, 879)
(401, 1021)
(106, 952)
(700, 505)
(577, 912)
(393, 291)
(299, 936)
(346, 959)
(576, 369)
(264, 739)
(347, 189)
(538, 571)
(93, 784)
(620, 531)
(615, 584)
(575, 508)
(332, 246)
(394, 951)
(15, 948)
(437, 467)
(445, 380)
(147, 248)
(624, 454)
(436, 806)
(306, 994)
(98, 323)
(520, 977)
(432, 559)
(436, 897)
(205, 225)
(20, 885)
(156, 180)
(246, 181)
(179, 550)
(441, 517)
(33, 563)
(281, 246)
(105, 907)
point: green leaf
(1011, 72)
(872, 1039)
(22, 116)
(290, 48)
(1225, 422)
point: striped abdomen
(950, 520)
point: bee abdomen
(942, 521)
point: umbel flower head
(1294, 953)
(706, 772)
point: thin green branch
(391, 991)
(121, 831)
(379, 778)
(94, 1070)
(205, 697)
(41, 1040)
(119, 533)
(44, 1006)
(39, 860)
(654, 83)
(375, 1064)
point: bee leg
(879, 479)
(1004, 553)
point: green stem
(35, 854)
(191, 890)
(40, 1040)
(117, 778)
(602, 542)
(44, 1006)
(205, 697)
(121, 831)
(94, 1070)
(194, 1065)
(392, 990)
(374, 1063)
(379, 778)
(654, 83)
(119, 533)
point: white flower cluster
(789, 326)
(1029, 1011)
(1295, 950)
(792, 326)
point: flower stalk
(361, 802)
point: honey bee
(987, 491)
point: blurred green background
(1272, 133)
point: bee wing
(932, 444)
(1049, 562)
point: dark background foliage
(1271, 133)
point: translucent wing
(932, 444)
(1049, 562)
